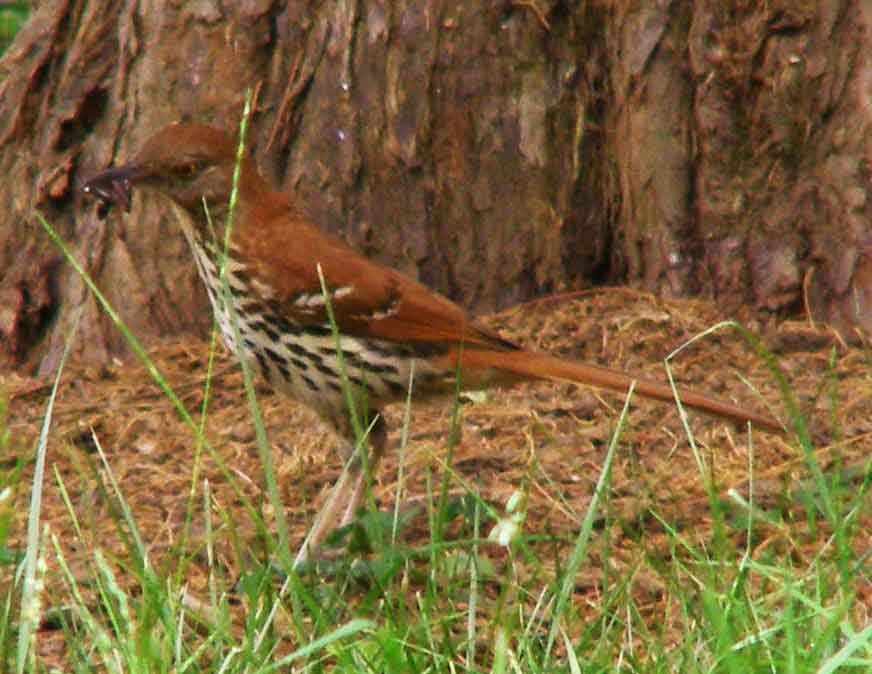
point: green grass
(458, 603)
(12, 18)
(454, 604)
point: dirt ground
(550, 437)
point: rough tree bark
(495, 150)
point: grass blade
(29, 598)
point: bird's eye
(189, 167)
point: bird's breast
(302, 360)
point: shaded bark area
(650, 122)
(496, 151)
(782, 176)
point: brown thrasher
(385, 319)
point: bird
(273, 262)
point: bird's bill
(113, 186)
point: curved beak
(113, 186)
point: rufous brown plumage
(385, 319)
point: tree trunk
(496, 151)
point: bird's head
(185, 162)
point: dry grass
(549, 439)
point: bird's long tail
(531, 365)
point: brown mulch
(549, 438)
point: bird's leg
(328, 515)
(377, 443)
(346, 495)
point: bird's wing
(368, 299)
